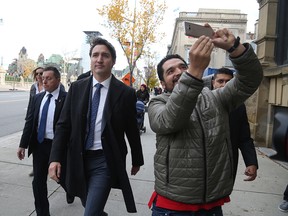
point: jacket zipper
(167, 163)
(204, 153)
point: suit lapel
(38, 103)
(114, 92)
(58, 106)
(38, 100)
(85, 100)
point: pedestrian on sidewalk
(38, 133)
(98, 112)
(142, 94)
(284, 205)
(239, 128)
(193, 169)
(35, 88)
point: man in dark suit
(239, 130)
(70, 198)
(38, 133)
(96, 149)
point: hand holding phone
(195, 30)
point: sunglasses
(40, 74)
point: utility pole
(132, 62)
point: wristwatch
(236, 44)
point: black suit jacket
(241, 138)
(84, 75)
(119, 119)
(29, 135)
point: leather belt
(94, 152)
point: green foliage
(153, 80)
(12, 78)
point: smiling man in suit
(38, 133)
(98, 112)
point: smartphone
(195, 30)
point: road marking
(13, 101)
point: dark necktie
(43, 120)
(93, 114)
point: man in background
(38, 134)
(239, 130)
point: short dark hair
(160, 70)
(223, 70)
(34, 72)
(102, 41)
(54, 69)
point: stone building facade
(217, 18)
(267, 109)
(269, 119)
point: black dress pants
(286, 193)
(40, 166)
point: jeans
(98, 182)
(216, 211)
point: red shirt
(163, 202)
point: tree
(23, 67)
(68, 56)
(136, 33)
(12, 68)
(28, 66)
(152, 79)
(150, 70)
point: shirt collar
(105, 83)
(54, 93)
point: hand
(21, 153)
(55, 171)
(134, 170)
(199, 56)
(224, 39)
(251, 172)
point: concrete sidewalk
(258, 198)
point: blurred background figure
(143, 94)
(239, 130)
(36, 88)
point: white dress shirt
(49, 133)
(97, 144)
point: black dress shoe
(104, 214)
(69, 198)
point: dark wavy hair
(55, 71)
(101, 41)
(223, 70)
(160, 70)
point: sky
(56, 26)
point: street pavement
(258, 198)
